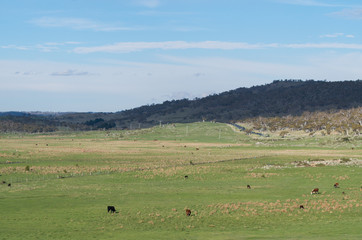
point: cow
(111, 208)
(315, 191)
(248, 186)
(9, 185)
(3, 182)
(188, 212)
(301, 207)
(186, 177)
(336, 185)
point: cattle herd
(112, 209)
(188, 211)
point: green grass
(142, 173)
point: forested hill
(287, 97)
(275, 99)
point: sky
(113, 55)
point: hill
(277, 99)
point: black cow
(248, 186)
(186, 177)
(111, 209)
(301, 207)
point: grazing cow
(336, 185)
(3, 182)
(315, 191)
(111, 208)
(197, 149)
(301, 207)
(188, 212)
(248, 187)
(186, 177)
(9, 185)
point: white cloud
(325, 45)
(15, 47)
(336, 35)
(309, 3)
(355, 13)
(126, 47)
(77, 24)
(148, 3)
(46, 47)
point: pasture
(62, 183)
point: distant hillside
(280, 98)
(14, 114)
(276, 99)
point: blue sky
(111, 55)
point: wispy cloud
(355, 13)
(44, 47)
(61, 43)
(325, 46)
(148, 3)
(15, 47)
(336, 35)
(310, 3)
(126, 47)
(77, 24)
(26, 73)
(69, 73)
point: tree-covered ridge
(278, 99)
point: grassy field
(62, 183)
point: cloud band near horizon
(126, 47)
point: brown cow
(315, 191)
(188, 212)
(336, 185)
